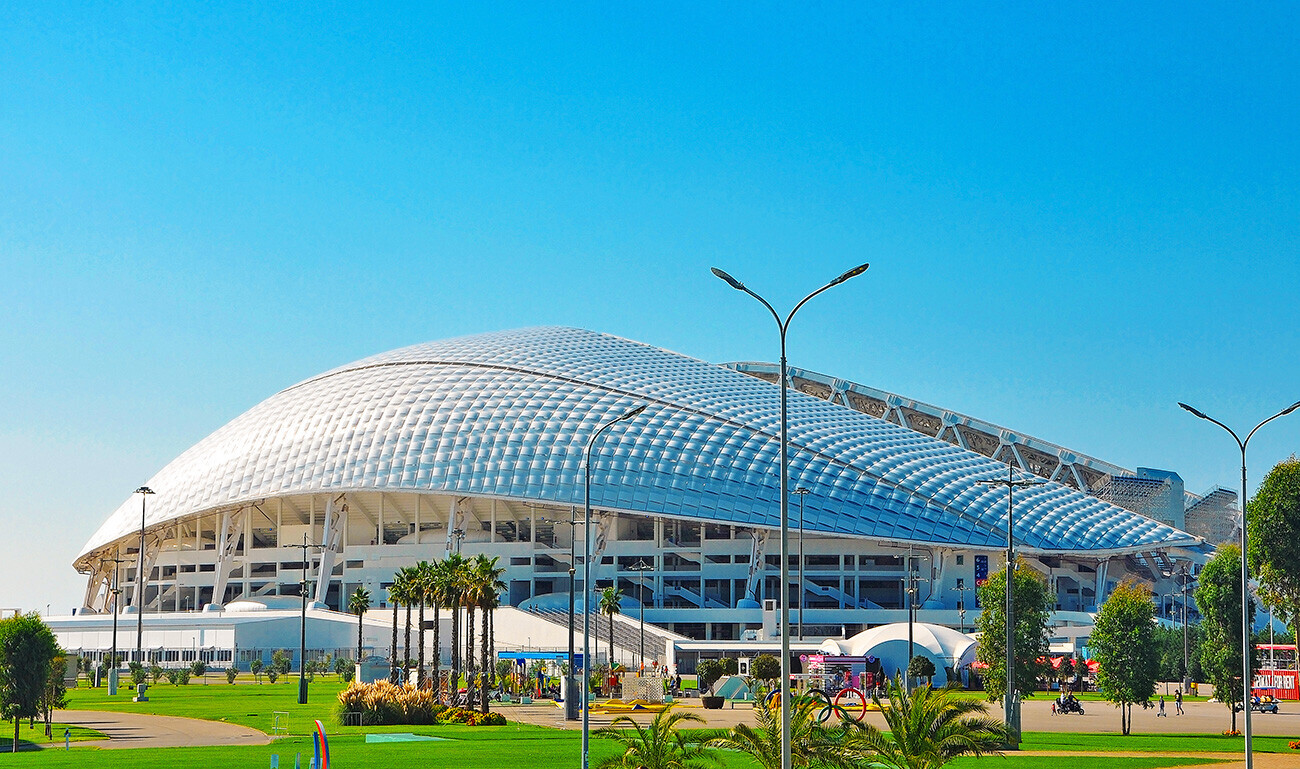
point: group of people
(1178, 704)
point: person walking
(1161, 714)
(1178, 701)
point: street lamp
(782, 327)
(960, 590)
(1010, 704)
(302, 628)
(117, 562)
(802, 491)
(641, 566)
(1247, 682)
(571, 704)
(144, 492)
(586, 577)
(911, 591)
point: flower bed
(383, 703)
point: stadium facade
(476, 445)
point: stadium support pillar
(336, 524)
(232, 526)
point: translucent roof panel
(508, 415)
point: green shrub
(156, 673)
(272, 674)
(231, 672)
(198, 667)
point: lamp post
(570, 703)
(1187, 674)
(302, 627)
(782, 327)
(802, 491)
(960, 590)
(117, 562)
(144, 492)
(586, 575)
(1011, 705)
(1246, 681)
(641, 566)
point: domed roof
(508, 415)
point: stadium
(476, 445)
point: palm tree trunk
(454, 687)
(419, 674)
(437, 652)
(392, 654)
(469, 656)
(406, 643)
(359, 616)
(488, 667)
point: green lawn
(506, 747)
(1150, 743)
(248, 704)
(36, 735)
(509, 747)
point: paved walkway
(135, 730)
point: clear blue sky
(1075, 216)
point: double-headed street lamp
(1010, 703)
(586, 581)
(302, 627)
(144, 492)
(117, 560)
(782, 327)
(1246, 625)
(640, 567)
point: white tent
(945, 647)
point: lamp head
(144, 490)
(634, 412)
(730, 280)
(853, 273)
(1291, 408)
(1194, 412)
(802, 490)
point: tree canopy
(27, 651)
(1030, 603)
(1219, 598)
(1274, 529)
(1124, 645)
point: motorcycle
(1068, 706)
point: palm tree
(358, 604)
(469, 599)
(610, 598)
(421, 583)
(438, 594)
(395, 598)
(811, 743)
(402, 592)
(929, 728)
(487, 579)
(656, 746)
(451, 588)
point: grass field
(36, 735)
(509, 747)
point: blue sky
(1076, 217)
